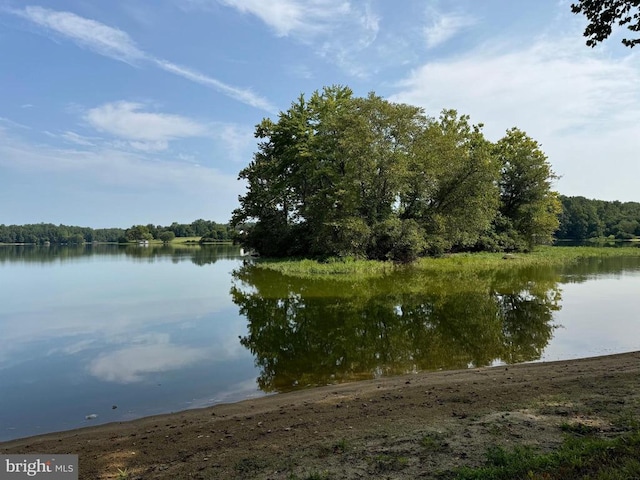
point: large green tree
(450, 189)
(528, 206)
(138, 233)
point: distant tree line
(207, 230)
(583, 219)
(338, 175)
(41, 233)
(48, 233)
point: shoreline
(342, 429)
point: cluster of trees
(42, 233)
(339, 175)
(207, 230)
(583, 219)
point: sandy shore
(415, 426)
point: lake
(105, 333)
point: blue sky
(114, 113)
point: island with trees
(339, 175)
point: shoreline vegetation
(350, 268)
(557, 420)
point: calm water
(154, 330)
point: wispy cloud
(11, 123)
(444, 27)
(300, 71)
(73, 137)
(238, 141)
(108, 41)
(243, 95)
(291, 17)
(338, 30)
(116, 44)
(109, 166)
(146, 131)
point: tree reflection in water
(315, 332)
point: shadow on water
(315, 332)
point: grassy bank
(472, 262)
(583, 454)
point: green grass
(578, 458)
(179, 240)
(578, 428)
(333, 267)
(350, 269)
(433, 442)
(250, 465)
(123, 474)
(336, 448)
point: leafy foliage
(528, 206)
(339, 175)
(604, 14)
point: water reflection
(199, 255)
(150, 330)
(313, 332)
(147, 354)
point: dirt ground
(416, 426)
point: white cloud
(114, 43)
(239, 142)
(566, 96)
(546, 87)
(105, 40)
(337, 30)
(11, 123)
(445, 26)
(243, 95)
(131, 364)
(77, 139)
(288, 17)
(110, 166)
(300, 71)
(146, 130)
